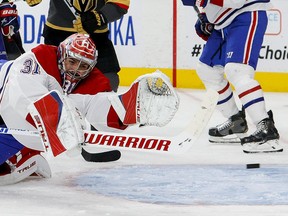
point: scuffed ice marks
(191, 184)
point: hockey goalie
(60, 92)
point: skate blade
(233, 138)
(271, 146)
(258, 151)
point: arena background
(160, 35)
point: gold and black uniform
(59, 25)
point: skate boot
(229, 131)
(264, 139)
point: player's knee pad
(212, 77)
(239, 74)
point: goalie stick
(174, 145)
(106, 156)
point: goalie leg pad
(23, 164)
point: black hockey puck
(252, 166)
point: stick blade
(107, 156)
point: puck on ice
(252, 166)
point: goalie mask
(77, 56)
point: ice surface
(191, 184)
(210, 179)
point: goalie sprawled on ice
(59, 91)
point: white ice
(210, 179)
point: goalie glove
(92, 21)
(151, 100)
(33, 3)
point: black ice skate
(231, 130)
(264, 139)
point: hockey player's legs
(211, 71)
(251, 96)
(244, 38)
(240, 49)
(247, 31)
(107, 59)
(264, 139)
(248, 90)
(214, 50)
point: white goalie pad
(150, 100)
(36, 164)
(60, 124)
